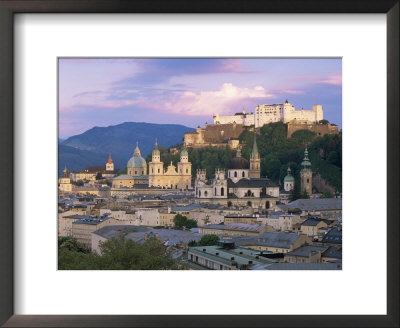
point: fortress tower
(254, 171)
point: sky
(188, 91)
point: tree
(305, 195)
(191, 224)
(79, 183)
(117, 254)
(326, 194)
(180, 220)
(208, 240)
(302, 137)
(323, 122)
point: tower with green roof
(156, 167)
(288, 181)
(306, 174)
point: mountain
(93, 146)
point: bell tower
(109, 164)
(254, 171)
(185, 170)
(306, 174)
(156, 167)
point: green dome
(288, 178)
(136, 162)
(184, 153)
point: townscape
(233, 218)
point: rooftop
(241, 256)
(319, 204)
(236, 227)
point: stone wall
(319, 129)
(214, 135)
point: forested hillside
(276, 153)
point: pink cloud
(209, 102)
(333, 79)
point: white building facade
(264, 114)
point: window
(187, 171)
(243, 174)
(158, 170)
(235, 174)
(222, 191)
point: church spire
(156, 152)
(306, 164)
(109, 161)
(254, 153)
(65, 173)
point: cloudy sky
(103, 92)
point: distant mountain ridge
(93, 146)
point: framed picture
(52, 52)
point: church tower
(65, 181)
(185, 170)
(254, 171)
(109, 164)
(156, 167)
(306, 174)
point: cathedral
(239, 185)
(172, 177)
(157, 177)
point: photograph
(199, 163)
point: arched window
(229, 204)
(222, 191)
(187, 171)
(199, 193)
(248, 193)
(267, 204)
(235, 174)
(206, 193)
(215, 191)
(243, 174)
(249, 203)
(158, 170)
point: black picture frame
(10, 7)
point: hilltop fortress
(264, 114)
(227, 128)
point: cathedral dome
(137, 160)
(238, 162)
